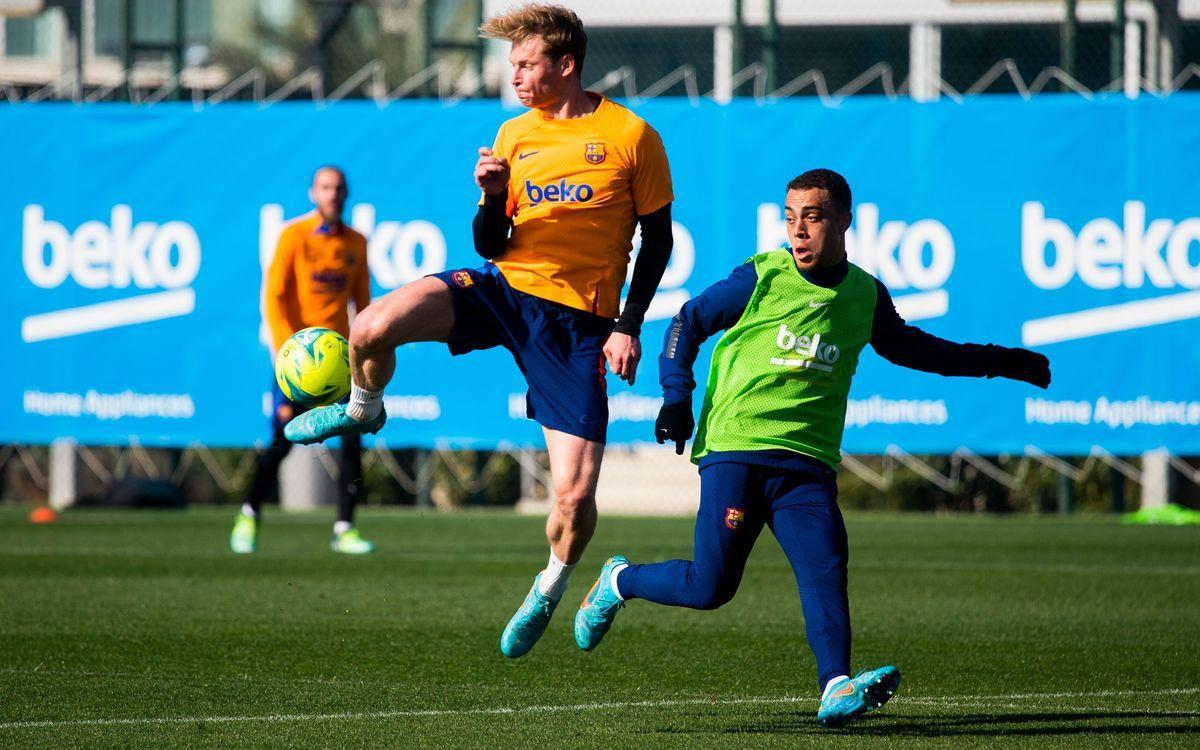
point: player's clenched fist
(623, 353)
(674, 423)
(491, 172)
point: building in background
(718, 48)
(258, 45)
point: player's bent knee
(711, 594)
(369, 330)
(712, 601)
(574, 504)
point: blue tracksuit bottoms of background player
(736, 500)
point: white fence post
(63, 487)
(925, 51)
(722, 64)
(304, 482)
(1156, 478)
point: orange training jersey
(575, 190)
(315, 272)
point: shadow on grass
(1023, 724)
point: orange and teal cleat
(599, 607)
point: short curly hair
(825, 179)
(558, 27)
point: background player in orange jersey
(319, 268)
(564, 187)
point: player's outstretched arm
(909, 346)
(715, 309)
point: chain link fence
(635, 480)
(268, 50)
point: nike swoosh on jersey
(528, 153)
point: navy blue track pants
(736, 500)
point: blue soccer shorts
(560, 350)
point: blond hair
(558, 27)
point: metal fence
(636, 480)
(148, 51)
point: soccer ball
(313, 367)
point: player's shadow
(1024, 724)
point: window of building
(32, 37)
(109, 27)
(153, 23)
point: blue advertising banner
(136, 239)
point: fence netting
(220, 50)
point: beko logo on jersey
(917, 256)
(116, 255)
(814, 353)
(557, 192)
(1105, 255)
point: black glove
(674, 423)
(1026, 366)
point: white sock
(248, 510)
(554, 578)
(363, 404)
(341, 527)
(832, 684)
(612, 581)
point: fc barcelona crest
(735, 518)
(594, 153)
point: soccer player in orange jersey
(564, 186)
(319, 269)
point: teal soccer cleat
(599, 607)
(853, 698)
(317, 425)
(528, 624)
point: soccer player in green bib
(771, 430)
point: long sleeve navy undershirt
(652, 259)
(722, 304)
(490, 226)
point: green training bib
(780, 377)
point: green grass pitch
(139, 629)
